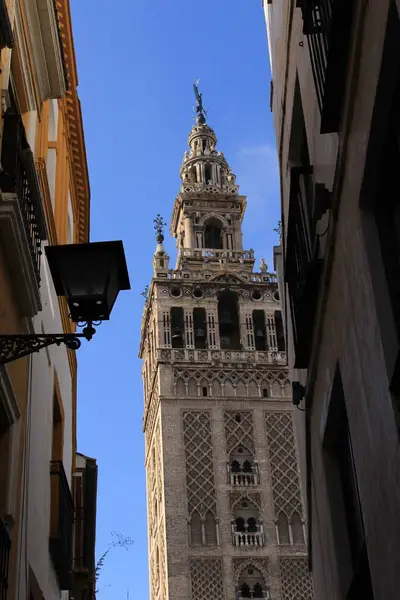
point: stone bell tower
(225, 513)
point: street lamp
(90, 277)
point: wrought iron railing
(327, 25)
(19, 177)
(301, 267)
(29, 196)
(5, 548)
(61, 524)
(317, 15)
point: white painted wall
(34, 549)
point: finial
(201, 113)
(159, 225)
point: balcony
(248, 538)
(303, 263)
(5, 548)
(243, 478)
(85, 500)
(327, 25)
(272, 357)
(61, 524)
(22, 220)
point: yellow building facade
(44, 199)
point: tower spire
(161, 258)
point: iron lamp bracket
(16, 346)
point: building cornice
(73, 112)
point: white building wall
(34, 547)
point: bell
(226, 320)
(176, 334)
(260, 333)
(200, 333)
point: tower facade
(225, 514)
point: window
(228, 320)
(280, 334)
(213, 235)
(346, 513)
(327, 25)
(265, 393)
(200, 327)
(207, 172)
(204, 391)
(259, 330)
(195, 530)
(177, 327)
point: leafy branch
(119, 541)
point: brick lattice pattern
(283, 461)
(206, 577)
(296, 580)
(199, 462)
(239, 433)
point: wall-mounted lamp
(90, 276)
(298, 393)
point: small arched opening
(213, 235)
(228, 317)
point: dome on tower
(204, 169)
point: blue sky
(137, 61)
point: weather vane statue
(201, 113)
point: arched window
(245, 591)
(235, 466)
(247, 467)
(207, 172)
(195, 530)
(211, 529)
(251, 525)
(228, 316)
(283, 529)
(213, 235)
(239, 522)
(297, 529)
(258, 591)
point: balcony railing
(248, 538)
(5, 548)
(327, 25)
(302, 265)
(19, 177)
(243, 478)
(216, 255)
(272, 357)
(62, 519)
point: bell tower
(225, 513)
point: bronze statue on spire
(201, 113)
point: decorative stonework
(199, 462)
(230, 382)
(239, 565)
(283, 462)
(238, 497)
(239, 430)
(296, 579)
(206, 579)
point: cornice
(73, 112)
